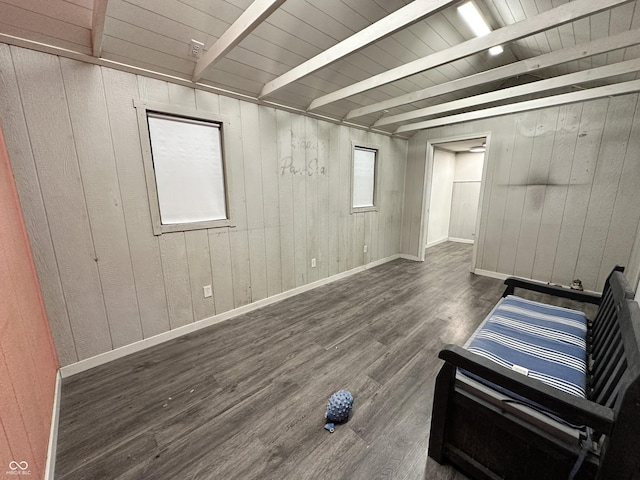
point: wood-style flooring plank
(245, 399)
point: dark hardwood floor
(245, 399)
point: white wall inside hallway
(444, 165)
(466, 195)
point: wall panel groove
(99, 176)
(144, 247)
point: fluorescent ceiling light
(478, 149)
(476, 23)
(473, 18)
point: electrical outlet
(365, 249)
(207, 291)
(196, 48)
(313, 263)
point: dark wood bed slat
(611, 409)
(606, 390)
(604, 315)
(610, 339)
(603, 362)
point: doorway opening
(454, 178)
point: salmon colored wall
(28, 362)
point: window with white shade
(184, 164)
(364, 173)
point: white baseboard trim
(448, 239)
(436, 242)
(409, 257)
(489, 273)
(111, 355)
(53, 431)
(460, 240)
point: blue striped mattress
(538, 340)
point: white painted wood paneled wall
(562, 198)
(444, 165)
(107, 281)
(466, 195)
(464, 209)
(469, 166)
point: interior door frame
(428, 178)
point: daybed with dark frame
(494, 422)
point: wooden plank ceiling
(365, 52)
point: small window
(185, 171)
(364, 173)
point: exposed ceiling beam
(551, 18)
(576, 78)
(258, 11)
(575, 52)
(551, 101)
(97, 26)
(185, 82)
(401, 18)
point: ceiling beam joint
(253, 16)
(98, 20)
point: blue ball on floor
(338, 409)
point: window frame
(376, 169)
(142, 110)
